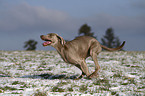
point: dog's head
(52, 39)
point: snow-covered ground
(43, 73)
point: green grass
(39, 93)
(8, 88)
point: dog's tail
(113, 49)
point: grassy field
(43, 73)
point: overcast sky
(21, 20)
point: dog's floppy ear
(62, 41)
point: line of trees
(109, 39)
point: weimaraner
(76, 51)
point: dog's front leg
(83, 67)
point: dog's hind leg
(97, 67)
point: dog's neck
(60, 49)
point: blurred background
(23, 21)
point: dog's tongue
(46, 43)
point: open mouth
(48, 42)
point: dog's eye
(50, 35)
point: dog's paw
(81, 76)
(93, 75)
